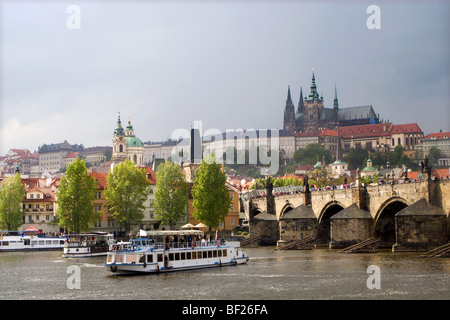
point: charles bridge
(410, 216)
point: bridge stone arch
(384, 220)
(324, 224)
(287, 207)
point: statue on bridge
(306, 183)
(425, 167)
(269, 185)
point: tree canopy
(75, 195)
(11, 198)
(211, 199)
(172, 193)
(128, 189)
(312, 153)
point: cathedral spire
(119, 128)
(336, 103)
(300, 102)
(313, 95)
(289, 113)
(289, 100)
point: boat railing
(169, 245)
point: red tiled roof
(150, 174)
(413, 175)
(305, 167)
(437, 135)
(366, 130)
(327, 132)
(101, 179)
(71, 155)
(406, 128)
(441, 173)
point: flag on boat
(217, 234)
(142, 233)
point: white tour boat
(94, 244)
(21, 241)
(179, 250)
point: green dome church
(126, 145)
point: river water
(269, 275)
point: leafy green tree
(418, 155)
(356, 158)
(397, 155)
(127, 190)
(75, 195)
(11, 198)
(211, 199)
(311, 153)
(172, 193)
(434, 154)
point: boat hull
(29, 243)
(176, 259)
(155, 268)
(84, 252)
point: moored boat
(94, 244)
(179, 251)
(21, 241)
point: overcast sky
(226, 63)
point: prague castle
(311, 115)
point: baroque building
(126, 145)
(311, 115)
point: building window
(231, 208)
(399, 141)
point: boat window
(171, 257)
(41, 242)
(194, 255)
(130, 258)
(214, 254)
(160, 257)
(48, 241)
(5, 243)
(210, 254)
(188, 255)
(183, 256)
(61, 241)
(205, 254)
(150, 258)
(219, 253)
(224, 252)
(110, 256)
(141, 258)
(119, 258)
(177, 256)
(34, 242)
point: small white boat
(180, 251)
(94, 244)
(21, 241)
